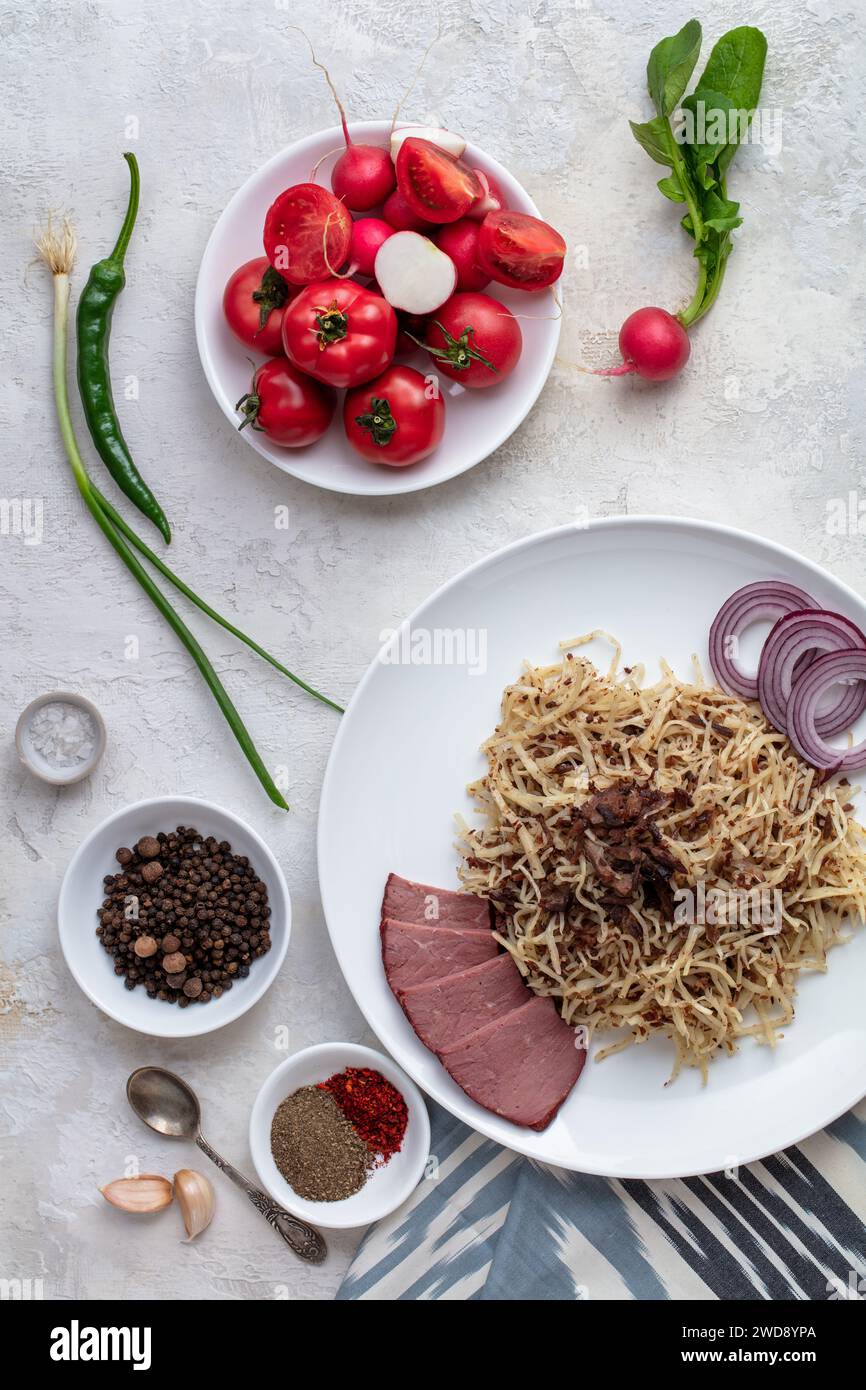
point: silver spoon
(165, 1103)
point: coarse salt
(63, 734)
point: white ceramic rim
(719, 529)
(275, 960)
(356, 1054)
(403, 480)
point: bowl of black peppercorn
(174, 917)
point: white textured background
(763, 431)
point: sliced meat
(442, 1011)
(413, 953)
(521, 1066)
(405, 901)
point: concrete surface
(764, 431)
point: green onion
(58, 252)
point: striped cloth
(489, 1224)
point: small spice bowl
(387, 1186)
(36, 762)
(81, 895)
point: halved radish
(444, 139)
(413, 274)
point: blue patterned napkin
(489, 1224)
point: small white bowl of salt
(60, 737)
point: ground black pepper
(184, 917)
(316, 1148)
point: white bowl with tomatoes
(383, 348)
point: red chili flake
(375, 1109)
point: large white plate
(397, 773)
(476, 422)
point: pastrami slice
(445, 1010)
(413, 953)
(521, 1067)
(405, 901)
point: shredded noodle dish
(660, 861)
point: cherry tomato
(339, 332)
(474, 339)
(397, 419)
(296, 228)
(520, 251)
(436, 186)
(287, 406)
(253, 303)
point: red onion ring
(769, 598)
(825, 671)
(781, 667)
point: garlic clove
(147, 1193)
(195, 1197)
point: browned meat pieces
(454, 1005)
(413, 953)
(521, 1066)
(617, 831)
(406, 901)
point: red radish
(410, 333)
(443, 139)
(368, 233)
(413, 274)
(654, 344)
(398, 214)
(459, 240)
(363, 176)
(492, 198)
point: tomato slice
(296, 227)
(436, 186)
(519, 250)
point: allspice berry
(174, 963)
(193, 988)
(148, 847)
(170, 944)
(123, 856)
(152, 871)
(176, 981)
(145, 946)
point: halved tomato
(519, 250)
(307, 233)
(436, 186)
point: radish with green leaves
(696, 144)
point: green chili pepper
(95, 308)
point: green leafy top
(715, 119)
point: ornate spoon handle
(306, 1243)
